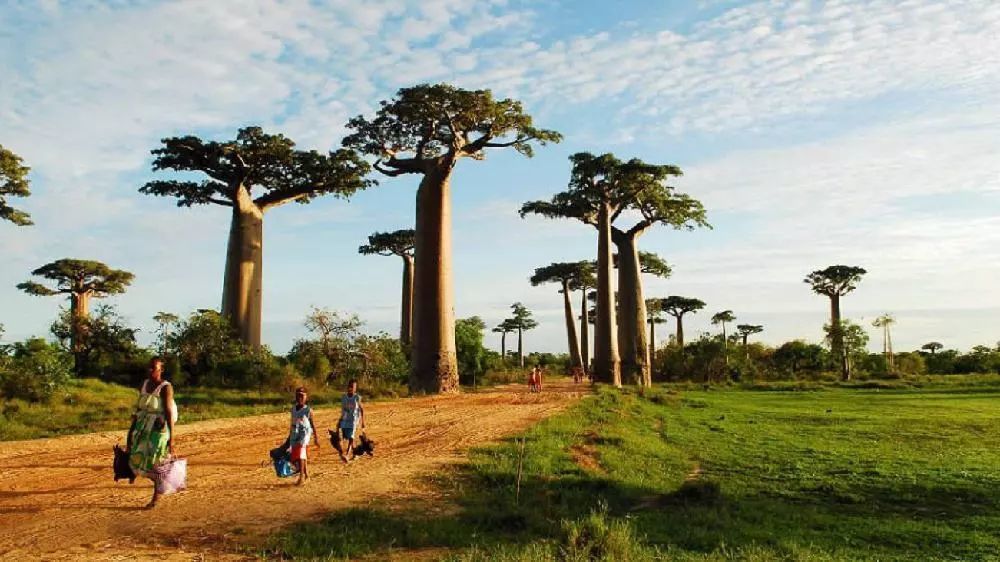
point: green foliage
(724, 317)
(472, 354)
(108, 348)
(796, 357)
(521, 318)
(13, 183)
(836, 280)
(855, 340)
(73, 276)
(254, 161)
(34, 370)
(397, 243)
(206, 346)
(677, 306)
(576, 275)
(425, 122)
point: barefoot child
(302, 429)
(351, 415)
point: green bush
(35, 371)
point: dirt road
(58, 499)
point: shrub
(35, 371)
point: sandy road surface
(58, 499)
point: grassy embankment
(903, 470)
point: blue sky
(856, 132)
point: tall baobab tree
(571, 277)
(586, 284)
(13, 183)
(933, 347)
(425, 130)
(654, 315)
(504, 328)
(601, 189)
(834, 282)
(885, 322)
(165, 320)
(399, 243)
(724, 318)
(522, 322)
(81, 280)
(745, 331)
(251, 174)
(677, 307)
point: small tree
(522, 322)
(834, 282)
(854, 338)
(933, 347)
(885, 322)
(745, 331)
(469, 345)
(13, 183)
(165, 322)
(399, 243)
(81, 280)
(571, 276)
(426, 130)
(504, 328)
(677, 307)
(723, 318)
(330, 327)
(251, 174)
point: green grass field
(91, 405)
(902, 471)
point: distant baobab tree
(571, 276)
(522, 322)
(654, 316)
(504, 328)
(745, 331)
(13, 183)
(834, 282)
(426, 130)
(251, 174)
(399, 243)
(164, 321)
(885, 322)
(677, 307)
(933, 347)
(723, 318)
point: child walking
(302, 429)
(352, 413)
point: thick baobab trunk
(632, 313)
(574, 344)
(837, 339)
(242, 290)
(680, 332)
(434, 363)
(585, 332)
(607, 364)
(79, 312)
(406, 312)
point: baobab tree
(601, 189)
(834, 282)
(165, 320)
(571, 276)
(504, 328)
(586, 284)
(885, 322)
(251, 174)
(399, 243)
(654, 316)
(745, 331)
(13, 183)
(723, 318)
(933, 347)
(522, 322)
(677, 307)
(81, 280)
(426, 130)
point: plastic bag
(170, 476)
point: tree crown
(577, 275)
(79, 277)
(884, 320)
(521, 319)
(836, 280)
(650, 263)
(423, 123)
(257, 162)
(13, 183)
(679, 306)
(654, 311)
(723, 317)
(505, 327)
(398, 243)
(932, 346)
(749, 329)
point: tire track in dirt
(58, 500)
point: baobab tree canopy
(577, 274)
(425, 122)
(746, 330)
(836, 280)
(679, 306)
(78, 276)
(13, 183)
(652, 264)
(723, 317)
(256, 162)
(398, 243)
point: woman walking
(151, 436)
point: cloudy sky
(816, 133)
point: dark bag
(121, 466)
(281, 460)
